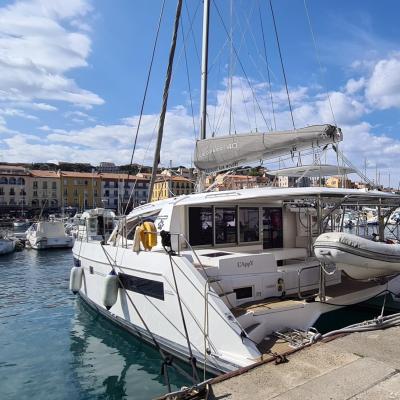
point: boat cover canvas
(51, 229)
(220, 153)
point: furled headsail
(220, 153)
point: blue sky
(72, 75)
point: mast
(203, 90)
(204, 70)
(165, 100)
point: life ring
(148, 235)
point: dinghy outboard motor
(75, 278)
(110, 293)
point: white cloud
(14, 112)
(383, 87)
(37, 49)
(355, 85)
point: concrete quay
(359, 366)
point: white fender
(75, 279)
(136, 240)
(110, 292)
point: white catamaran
(211, 276)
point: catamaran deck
(264, 305)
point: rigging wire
(241, 66)
(188, 81)
(147, 83)
(230, 66)
(167, 360)
(222, 110)
(319, 61)
(266, 60)
(282, 65)
(165, 97)
(192, 359)
(191, 30)
(256, 65)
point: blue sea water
(53, 346)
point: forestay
(215, 154)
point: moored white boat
(243, 270)
(6, 245)
(21, 223)
(48, 234)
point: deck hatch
(147, 287)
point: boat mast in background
(165, 100)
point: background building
(80, 190)
(339, 182)
(107, 167)
(44, 190)
(116, 191)
(13, 184)
(171, 186)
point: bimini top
(272, 194)
(220, 153)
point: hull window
(244, 293)
(225, 225)
(147, 287)
(200, 226)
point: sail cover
(220, 153)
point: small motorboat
(21, 223)
(48, 234)
(359, 257)
(6, 245)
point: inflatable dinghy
(359, 257)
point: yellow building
(339, 182)
(81, 190)
(171, 186)
(44, 189)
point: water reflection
(111, 363)
(54, 347)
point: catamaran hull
(161, 314)
(226, 349)
(166, 345)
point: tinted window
(249, 224)
(272, 228)
(225, 225)
(200, 225)
(143, 286)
